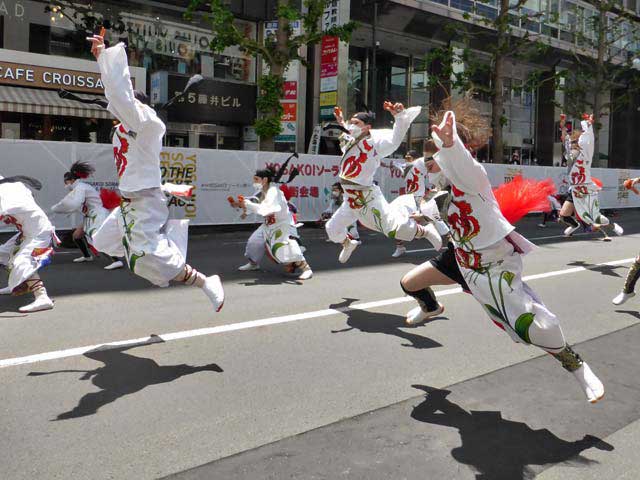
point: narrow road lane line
(74, 352)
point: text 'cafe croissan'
(46, 77)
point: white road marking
(74, 352)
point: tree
(606, 37)
(277, 53)
(508, 32)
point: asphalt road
(318, 379)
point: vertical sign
(288, 122)
(329, 62)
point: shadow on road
(123, 374)
(606, 270)
(497, 448)
(634, 313)
(372, 322)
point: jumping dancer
(414, 172)
(83, 198)
(583, 195)
(30, 249)
(152, 250)
(364, 201)
(278, 235)
(489, 252)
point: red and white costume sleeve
(583, 189)
(138, 138)
(31, 249)
(154, 247)
(85, 199)
(277, 235)
(363, 201)
(489, 253)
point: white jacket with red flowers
(273, 207)
(475, 218)
(137, 141)
(360, 160)
(416, 178)
(580, 173)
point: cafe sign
(51, 78)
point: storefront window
(157, 39)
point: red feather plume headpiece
(522, 196)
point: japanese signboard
(213, 101)
(329, 49)
(331, 15)
(291, 90)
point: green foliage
(601, 63)
(277, 52)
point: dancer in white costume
(277, 236)
(489, 254)
(364, 201)
(583, 194)
(420, 198)
(336, 199)
(84, 198)
(414, 173)
(151, 248)
(629, 288)
(30, 249)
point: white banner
(217, 174)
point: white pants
(369, 206)
(24, 256)
(274, 240)
(155, 249)
(494, 276)
(587, 206)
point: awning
(46, 102)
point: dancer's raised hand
(446, 132)
(97, 45)
(393, 108)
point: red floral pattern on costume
(471, 260)
(9, 220)
(413, 182)
(120, 153)
(355, 198)
(270, 219)
(352, 166)
(456, 192)
(579, 176)
(465, 225)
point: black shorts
(446, 264)
(569, 197)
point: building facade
(43, 49)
